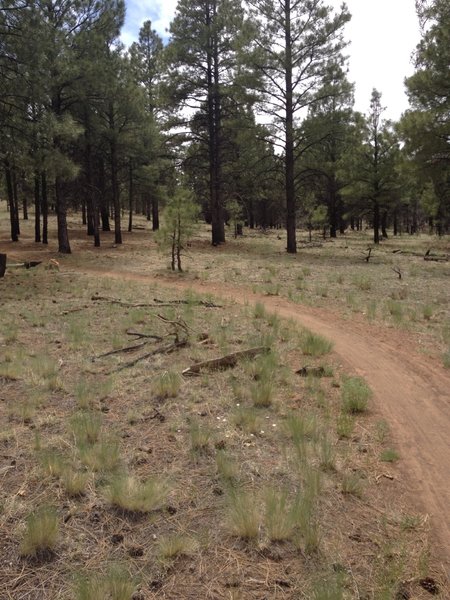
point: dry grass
(219, 452)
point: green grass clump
(259, 311)
(131, 495)
(103, 456)
(355, 395)
(74, 482)
(315, 345)
(52, 462)
(395, 309)
(362, 282)
(247, 419)
(262, 393)
(427, 312)
(167, 385)
(326, 454)
(446, 359)
(243, 514)
(389, 455)
(226, 467)
(41, 532)
(86, 427)
(352, 485)
(199, 436)
(172, 546)
(116, 584)
(280, 517)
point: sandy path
(411, 391)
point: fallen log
(2, 265)
(436, 258)
(229, 360)
(313, 371)
(155, 304)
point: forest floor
(376, 523)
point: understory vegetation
(121, 478)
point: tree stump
(2, 265)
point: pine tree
(294, 44)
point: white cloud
(160, 13)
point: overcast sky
(383, 35)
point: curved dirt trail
(410, 390)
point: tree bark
(289, 141)
(12, 212)
(384, 225)
(376, 222)
(61, 218)
(44, 208)
(155, 213)
(2, 265)
(37, 208)
(130, 197)
(114, 179)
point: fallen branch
(164, 350)
(398, 271)
(229, 360)
(367, 257)
(122, 350)
(138, 334)
(387, 475)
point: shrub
(41, 533)
(259, 312)
(131, 495)
(355, 395)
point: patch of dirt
(411, 391)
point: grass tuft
(41, 532)
(131, 495)
(172, 546)
(314, 345)
(389, 455)
(243, 514)
(167, 385)
(355, 395)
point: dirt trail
(411, 391)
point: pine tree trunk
(61, 218)
(376, 222)
(15, 199)
(37, 209)
(384, 225)
(2, 265)
(289, 141)
(148, 208)
(25, 208)
(44, 208)
(114, 178)
(155, 213)
(130, 198)
(12, 212)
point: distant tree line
(248, 106)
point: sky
(383, 35)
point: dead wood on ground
(229, 360)
(156, 302)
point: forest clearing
(315, 469)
